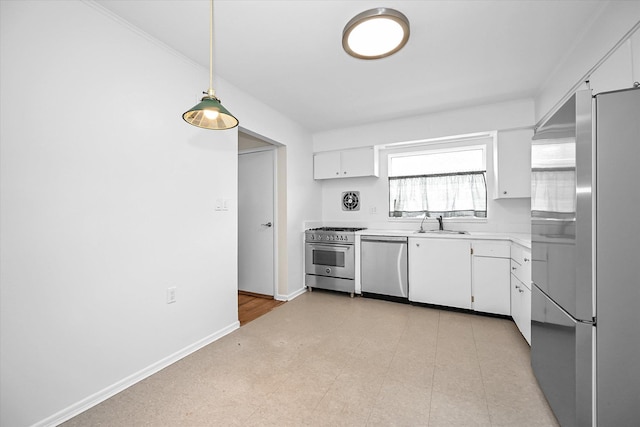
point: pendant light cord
(211, 92)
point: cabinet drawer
(491, 249)
(520, 254)
(522, 272)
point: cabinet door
(512, 164)
(359, 162)
(521, 307)
(440, 272)
(491, 282)
(326, 165)
(418, 270)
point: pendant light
(375, 33)
(209, 113)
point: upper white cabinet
(512, 164)
(491, 278)
(440, 272)
(327, 165)
(352, 163)
(619, 70)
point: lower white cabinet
(521, 289)
(491, 281)
(440, 272)
(521, 307)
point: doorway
(256, 221)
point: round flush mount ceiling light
(375, 33)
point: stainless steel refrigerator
(585, 233)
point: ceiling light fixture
(375, 33)
(209, 113)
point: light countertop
(522, 239)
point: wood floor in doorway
(251, 306)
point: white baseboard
(292, 295)
(112, 390)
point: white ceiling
(288, 53)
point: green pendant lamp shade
(209, 113)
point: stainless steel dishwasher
(383, 266)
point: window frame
(484, 142)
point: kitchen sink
(441, 232)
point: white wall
(611, 27)
(505, 215)
(500, 116)
(302, 192)
(107, 199)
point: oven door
(330, 259)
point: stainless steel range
(330, 258)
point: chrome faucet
(422, 222)
(440, 223)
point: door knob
(267, 224)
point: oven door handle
(331, 246)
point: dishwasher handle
(384, 239)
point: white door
(255, 222)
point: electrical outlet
(373, 210)
(171, 295)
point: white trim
(292, 295)
(275, 222)
(256, 150)
(441, 140)
(104, 394)
(139, 32)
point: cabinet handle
(517, 286)
(345, 172)
(521, 291)
(513, 268)
(417, 245)
(526, 260)
(504, 192)
(337, 173)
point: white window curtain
(553, 192)
(461, 194)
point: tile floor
(325, 359)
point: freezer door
(561, 357)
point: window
(553, 179)
(450, 182)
